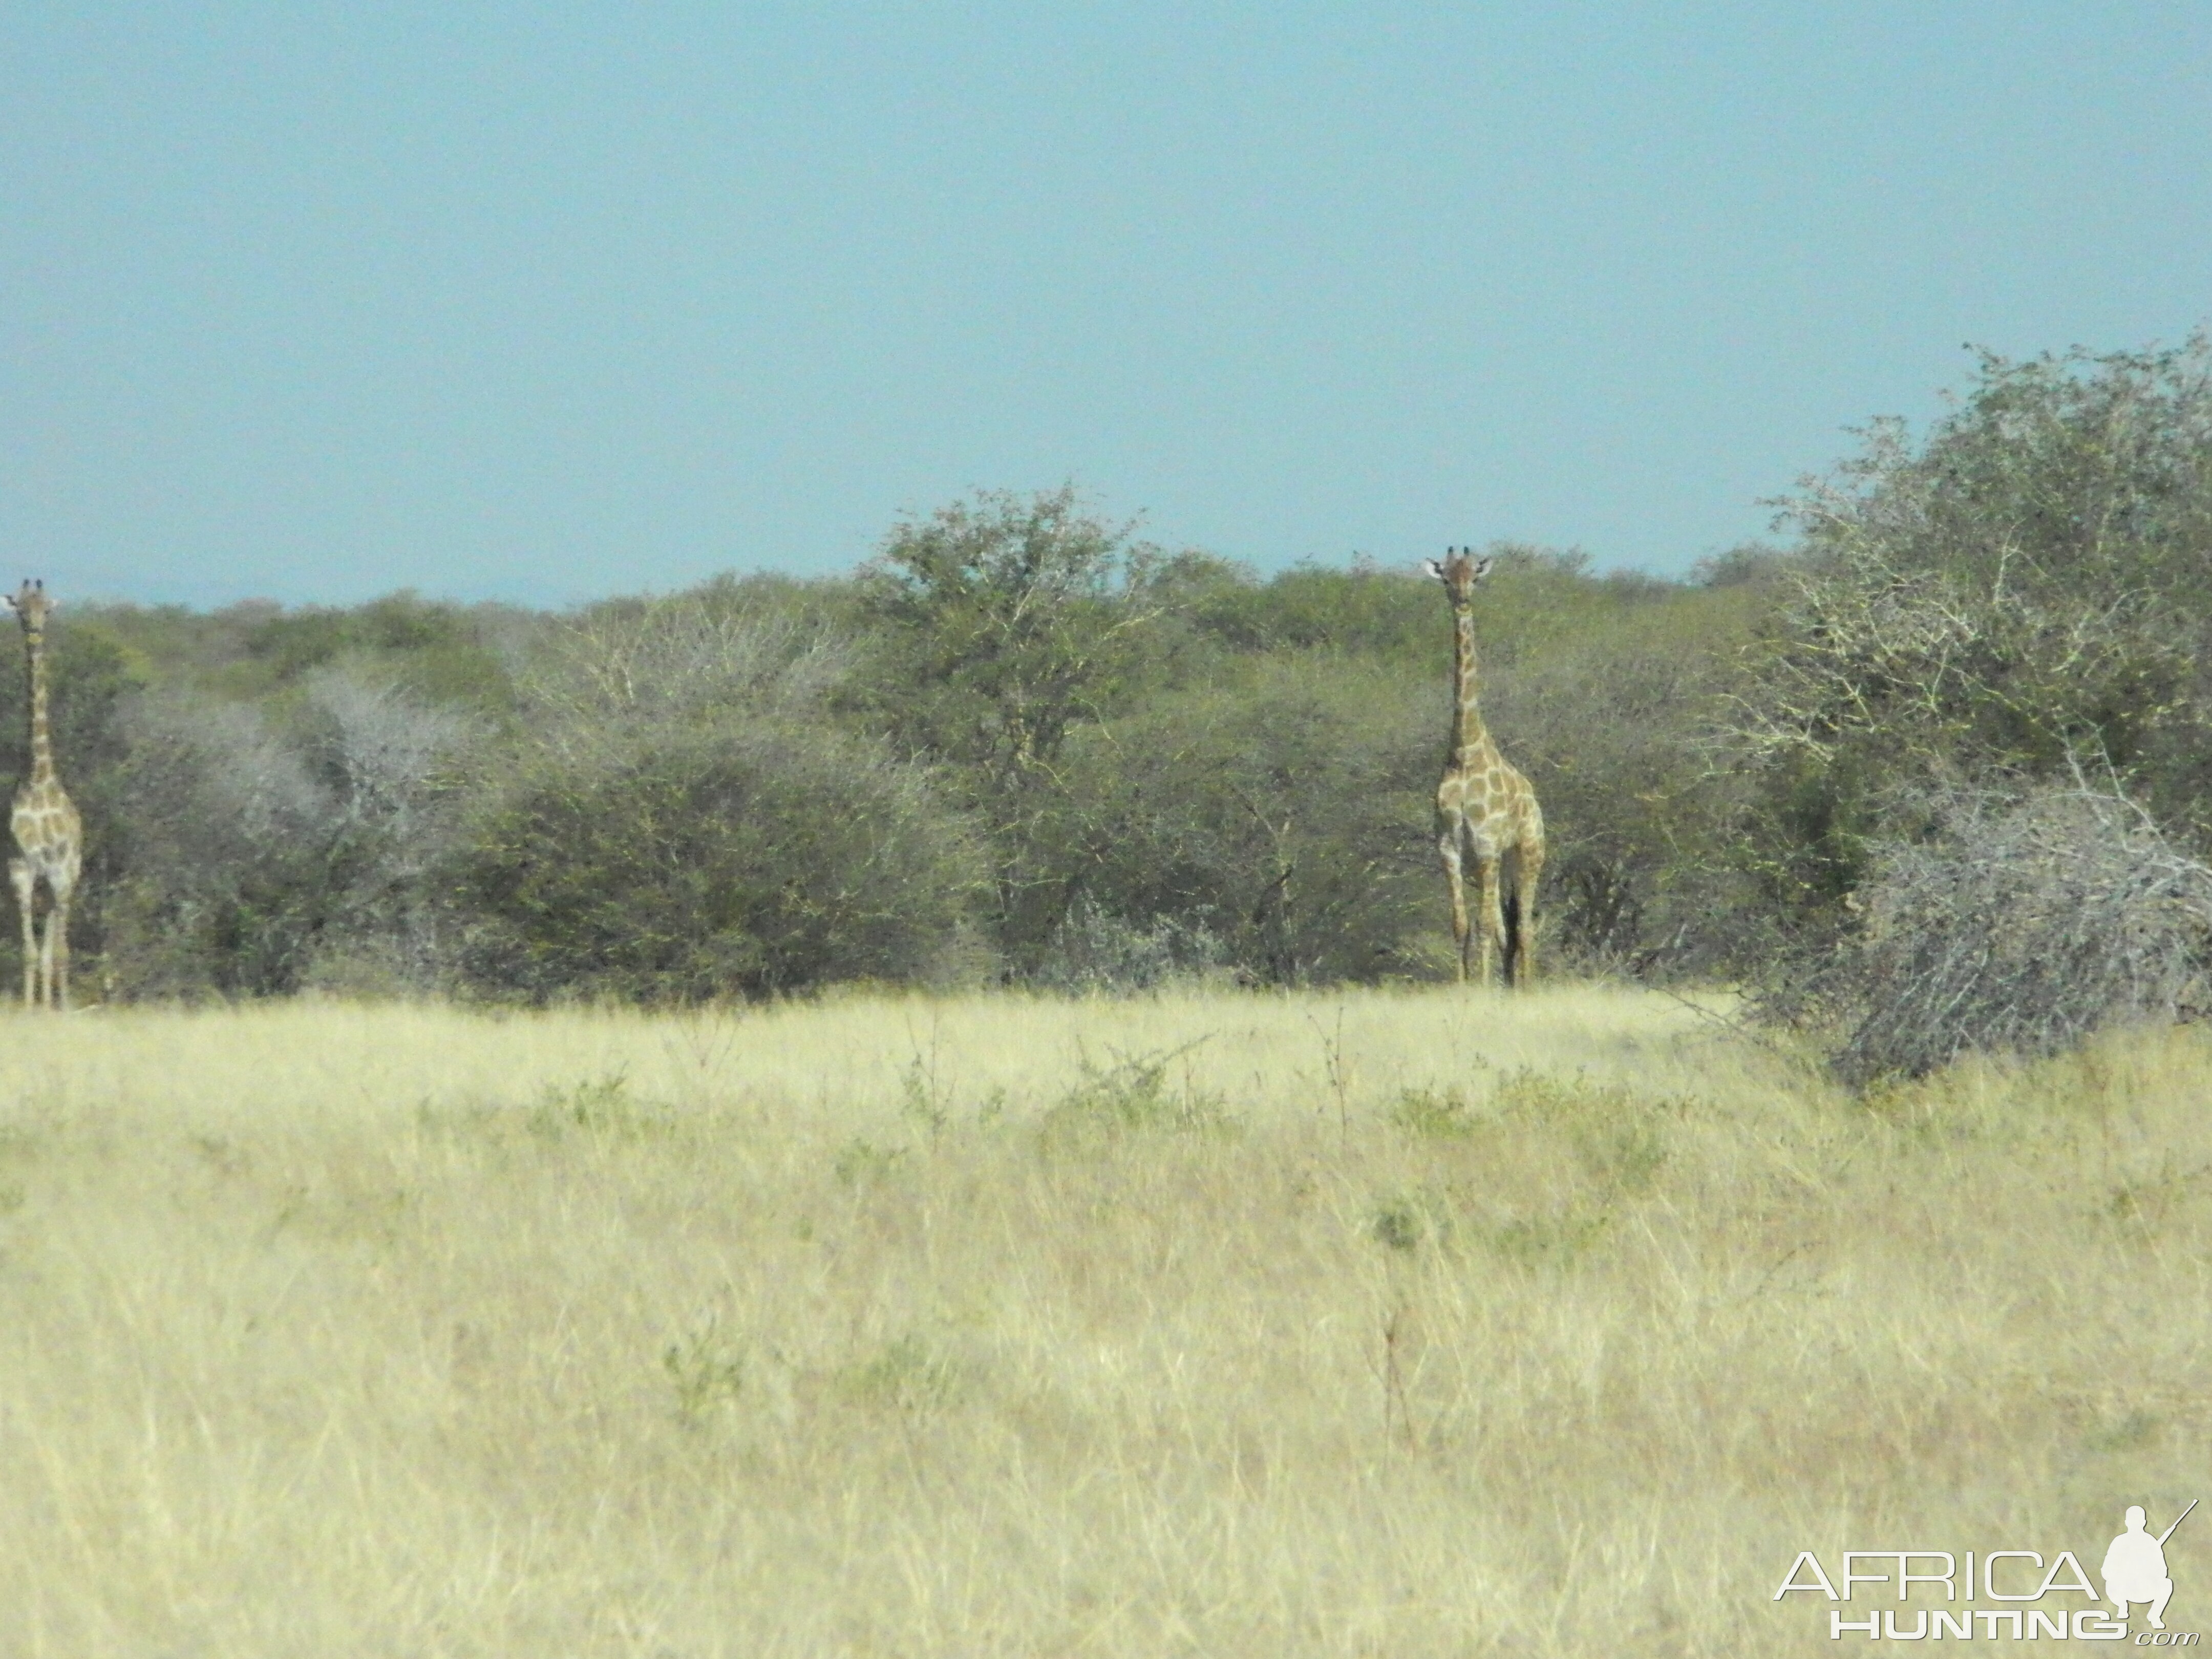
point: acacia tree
(1004, 621)
(2025, 587)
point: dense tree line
(1022, 743)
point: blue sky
(543, 303)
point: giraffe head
(31, 606)
(1459, 572)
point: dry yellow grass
(1390, 1324)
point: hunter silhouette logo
(2134, 1572)
(2135, 1566)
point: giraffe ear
(1429, 565)
(1482, 568)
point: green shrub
(1435, 1114)
(1135, 1092)
(1285, 814)
(707, 860)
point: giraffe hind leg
(1528, 868)
(1512, 948)
(1490, 920)
(57, 989)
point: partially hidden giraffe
(46, 825)
(1486, 810)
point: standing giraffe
(1483, 806)
(46, 825)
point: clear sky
(539, 303)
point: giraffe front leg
(20, 878)
(46, 962)
(1490, 918)
(1449, 847)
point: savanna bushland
(915, 1112)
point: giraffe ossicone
(47, 828)
(1486, 810)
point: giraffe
(1483, 806)
(46, 825)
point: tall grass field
(1362, 1324)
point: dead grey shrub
(2018, 923)
(389, 755)
(259, 856)
(1094, 951)
(394, 767)
(677, 660)
(216, 851)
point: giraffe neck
(1468, 737)
(42, 740)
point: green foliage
(1005, 620)
(1534, 596)
(1613, 722)
(600, 1108)
(1135, 1092)
(90, 677)
(688, 822)
(906, 1375)
(1549, 1240)
(2025, 590)
(291, 644)
(1363, 610)
(708, 861)
(1285, 811)
(439, 653)
(862, 1163)
(1401, 1223)
(2067, 478)
(998, 625)
(1434, 1114)
(707, 1370)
